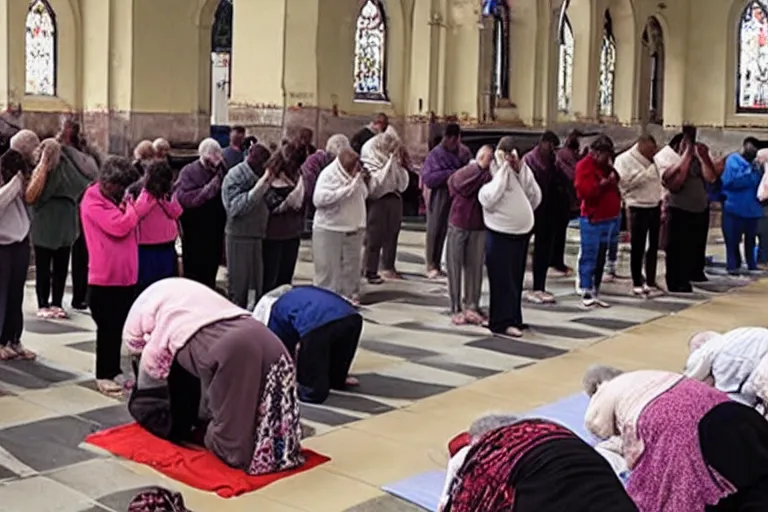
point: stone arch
(651, 81)
(625, 32)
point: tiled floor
(422, 380)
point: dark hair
(647, 137)
(602, 144)
(117, 170)
(238, 129)
(507, 144)
(286, 160)
(249, 141)
(452, 130)
(159, 179)
(258, 155)
(11, 163)
(550, 137)
(753, 141)
(675, 142)
(689, 131)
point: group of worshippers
(668, 442)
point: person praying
(162, 149)
(143, 155)
(207, 370)
(339, 225)
(382, 158)
(320, 329)
(379, 125)
(198, 190)
(640, 187)
(303, 143)
(685, 178)
(508, 202)
(242, 192)
(465, 243)
(596, 184)
(687, 445)
(234, 153)
(741, 208)
(446, 158)
(548, 215)
(565, 161)
(318, 161)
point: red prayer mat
(195, 467)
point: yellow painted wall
(462, 54)
(96, 54)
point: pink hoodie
(159, 224)
(111, 237)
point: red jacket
(598, 202)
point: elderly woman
(14, 254)
(110, 228)
(508, 202)
(162, 148)
(189, 339)
(382, 157)
(26, 142)
(143, 155)
(198, 190)
(321, 329)
(242, 193)
(688, 446)
(54, 192)
(732, 362)
(532, 465)
(339, 224)
(318, 161)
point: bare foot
(458, 319)
(352, 382)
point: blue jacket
(303, 309)
(740, 181)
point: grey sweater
(242, 192)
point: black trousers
(560, 236)
(700, 244)
(109, 308)
(505, 257)
(686, 248)
(325, 356)
(14, 262)
(645, 224)
(543, 244)
(279, 259)
(201, 256)
(79, 272)
(51, 269)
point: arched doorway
(221, 62)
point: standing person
(54, 192)
(109, 225)
(158, 227)
(320, 329)
(741, 208)
(466, 238)
(549, 214)
(339, 225)
(597, 186)
(640, 186)
(379, 125)
(14, 254)
(508, 202)
(143, 155)
(233, 154)
(687, 212)
(565, 161)
(162, 149)
(319, 160)
(303, 142)
(382, 157)
(446, 158)
(198, 190)
(242, 192)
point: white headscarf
(264, 307)
(704, 348)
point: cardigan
(339, 200)
(640, 183)
(509, 199)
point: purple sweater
(464, 184)
(441, 163)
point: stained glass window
(752, 79)
(565, 67)
(607, 69)
(41, 49)
(370, 52)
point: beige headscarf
(704, 347)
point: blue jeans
(595, 239)
(736, 228)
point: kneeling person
(321, 329)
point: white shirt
(339, 200)
(640, 182)
(509, 199)
(454, 465)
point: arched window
(607, 69)
(565, 65)
(371, 52)
(501, 50)
(752, 79)
(653, 40)
(40, 49)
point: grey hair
(488, 422)
(596, 375)
(487, 148)
(117, 170)
(336, 144)
(208, 147)
(25, 142)
(144, 150)
(160, 144)
(279, 291)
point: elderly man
(198, 190)
(379, 125)
(242, 192)
(233, 154)
(339, 225)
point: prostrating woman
(508, 201)
(321, 328)
(189, 339)
(158, 228)
(535, 465)
(688, 446)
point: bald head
(349, 160)
(484, 157)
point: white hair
(25, 142)
(160, 144)
(596, 375)
(337, 143)
(208, 147)
(484, 149)
(700, 338)
(489, 422)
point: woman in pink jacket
(109, 226)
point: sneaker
(601, 303)
(588, 301)
(374, 279)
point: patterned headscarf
(158, 499)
